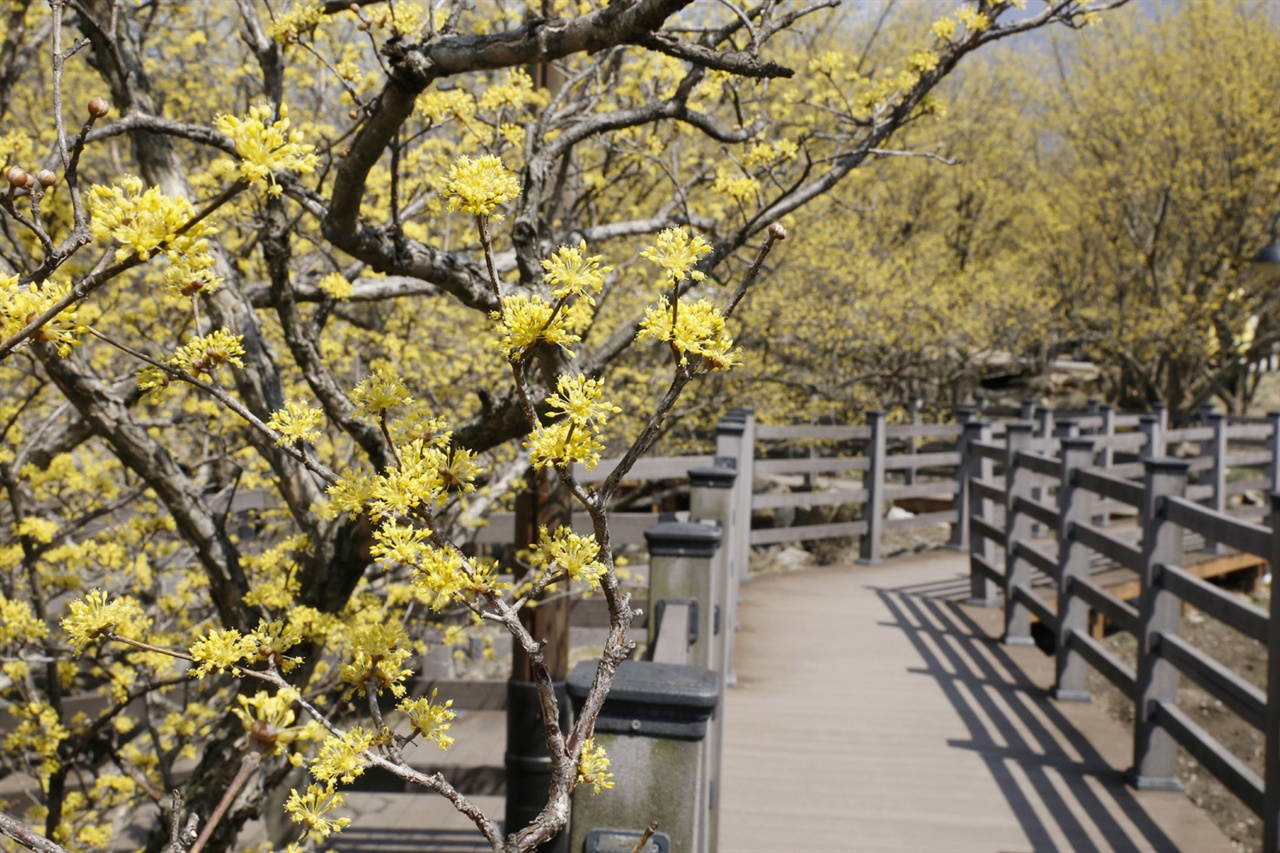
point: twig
(26, 836)
(645, 836)
(251, 761)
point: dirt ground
(1243, 656)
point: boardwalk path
(874, 712)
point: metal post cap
(682, 539)
(714, 476)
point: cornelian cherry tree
(370, 261)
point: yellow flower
(298, 21)
(439, 573)
(698, 330)
(378, 651)
(266, 147)
(593, 767)
(206, 353)
(92, 617)
(429, 719)
(342, 757)
(575, 554)
(479, 186)
(20, 304)
(579, 398)
(741, 188)
(562, 443)
(310, 809)
(142, 220)
(18, 623)
(527, 320)
(569, 273)
(335, 284)
(675, 252)
(378, 392)
(269, 718)
(220, 651)
(296, 422)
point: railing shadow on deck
(982, 681)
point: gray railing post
(1074, 506)
(1271, 750)
(736, 439)
(1149, 426)
(914, 404)
(682, 557)
(711, 499)
(652, 728)
(1107, 454)
(1273, 447)
(1161, 411)
(1045, 423)
(1154, 749)
(1217, 475)
(1017, 571)
(680, 566)
(873, 480)
(1027, 409)
(981, 590)
(960, 530)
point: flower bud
(16, 176)
(29, 182)
(46, 178)
(99, 107)
(777, 232)
(354, 114)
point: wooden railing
(1049, 575)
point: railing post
(1017, 571)
(1045, 422)
(914, 404)
(1106, 456)
(736, 439)
(1149, 426)
(1271, 751)
(960, 530)
(711, 499)
(1074, 506)
(873, 510)
(1273, 446)
(682, 559)
(1027, 409)
(1154, 749)
(1217, 475)
(981, 590)
(1161, 411)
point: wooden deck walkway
(876, 712)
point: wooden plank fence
(1180, 505)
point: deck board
(873, 712)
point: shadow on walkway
(1062, 790)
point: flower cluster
(220, 651)
(479, 186)
(377, 654)
(571, 273)
(593, 767)
(298, 21)
(697, 329)
(741, 188)
(296, 422)
(269, 719)
(335, 284)
(18, 623)
(678, 253)
(21, 304)
(90, 618)
(341, 757)
(430, 719)
(527, 320)
(578, 398)
(378, 392)
(574, 554)
(266, 147)
(309, 809)
(206, 353)
(143, 219)
(576, 436)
